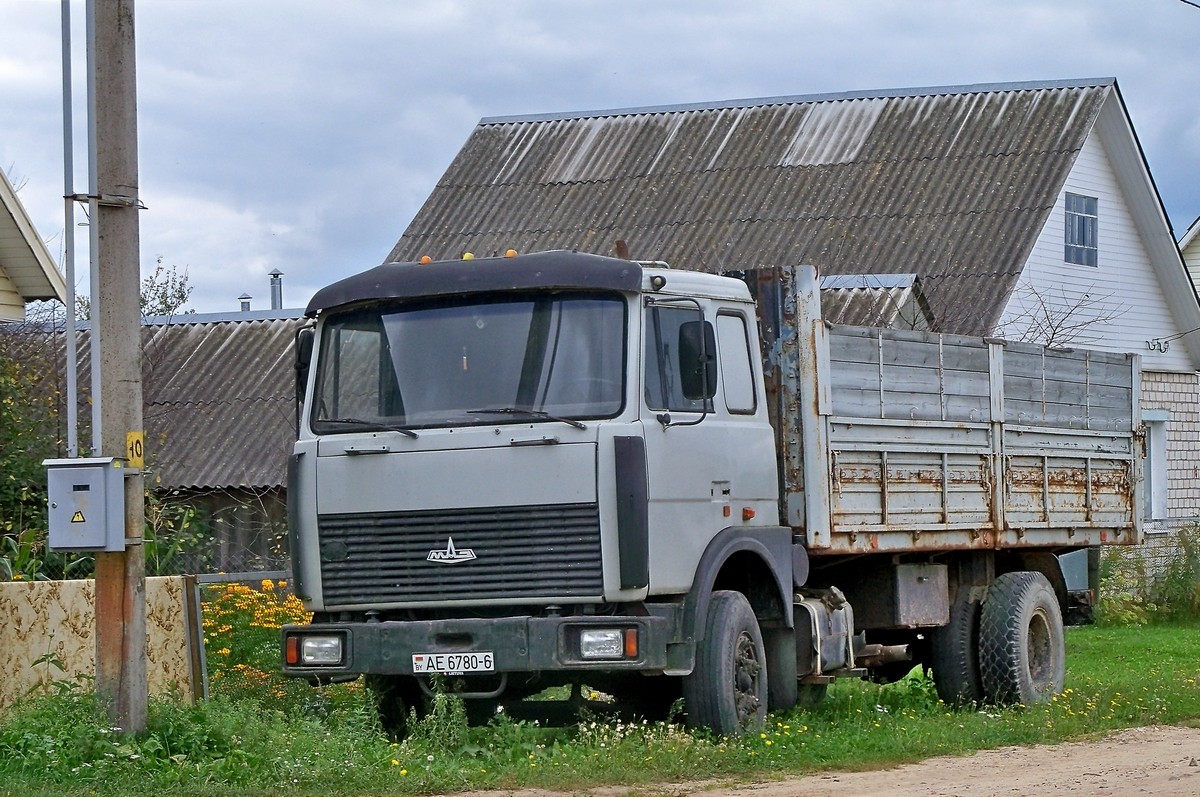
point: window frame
(658, 359)
(743, 355)
(391, 387)
(1081, 229)
(1155, 471)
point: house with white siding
(1025, 210)
(1106, 254)
(27, 271)
(1189, 245)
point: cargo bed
(905, 441)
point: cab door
(709, 448)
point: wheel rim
(747, 673)
(1041, 658)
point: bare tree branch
(1059, 318)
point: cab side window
(675, 379)
(737, 371)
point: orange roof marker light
(425, 260)
(511, 253)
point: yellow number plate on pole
(135, 449)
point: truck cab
(498, 451)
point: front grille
(519, 552)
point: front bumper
(518, 644)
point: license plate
(453, 663)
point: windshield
(472, 360)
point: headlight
(602, 643)
(314, 650)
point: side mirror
(697, 360)
(304, 348)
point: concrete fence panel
(47, 634)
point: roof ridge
(757, 102)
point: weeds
(1139, 587)
(330, 743)
(263, 734)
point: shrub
(241, 627)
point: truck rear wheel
(727, 690)
(1022, 654)
(954, 657)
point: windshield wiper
(374, 426)
(530, 413)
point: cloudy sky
(304, 135)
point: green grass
(327, 742)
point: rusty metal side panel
(773, 289)
(942, 442)
(904, 441)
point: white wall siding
(1119, 302)
(12, 305)
(1191, 257)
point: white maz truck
(561, 468)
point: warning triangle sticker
(77, 517)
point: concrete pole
(120, 576)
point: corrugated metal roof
(952, 184)
(219, 400)
(874, 300)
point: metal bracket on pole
(110, 200)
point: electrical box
(87, 504)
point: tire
(954, 657)
(1022, 654)
(727, 690)
(395, 697)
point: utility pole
(120, 575)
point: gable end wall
(1123, 291)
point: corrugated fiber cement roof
(952, 184)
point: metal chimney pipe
(276, 289)
(245, 300)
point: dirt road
(1159, 761)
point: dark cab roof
(556, 269)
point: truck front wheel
(727, 690)
(1022, 654)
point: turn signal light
(747, 514)
(291, 650)
(631, 643)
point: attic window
(1082, 221)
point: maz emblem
(451, 555)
